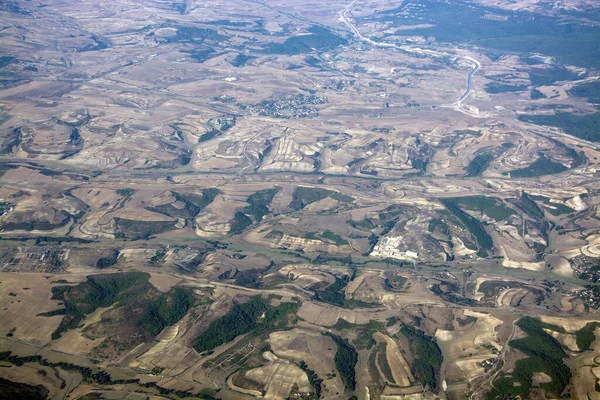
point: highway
(476, 66)
(344, 19)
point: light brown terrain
(283, 199)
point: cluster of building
(388, 248)
(495, 17)
(487, 364)
(289, 107)
(586, 268)
(590, 296)
(5, 208)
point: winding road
(458, 104)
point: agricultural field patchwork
(300, 200)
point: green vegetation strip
(484, 240)
(240, 222)
(257, 209)
(318, 38)
(259, 202)
(530, 206)
(345, 359)
(333, 237)
(585, 336)
(428, 356)
(304, 196)
(313, 378)
(495, 87)
(479, 164)
(193, 204)
(100, 377)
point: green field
(318, 38)
(529, 206)
(585, 127)
(479, 164)
(590, 91)
(541, 166)
(334, 293)
(136, 229)
(484, 240)
(544, 354)
(259, 202)
(585, 336)
(345, 359)
(91, 375)
(489, 206)
(549, 76)
(495, 87)
(552, 207)
(427, 356)
(240, 222)
(304, 196)
(570, 42)
(193, 204)
(256, 316)
(143, 306)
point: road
(458, 104)
(487, 380)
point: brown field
(400, 369)
(395, 154)
(30, 375)
(324, 315)
(279, 378)
(312, 347)
(467, 347)
(32, 295)
(585, 383)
